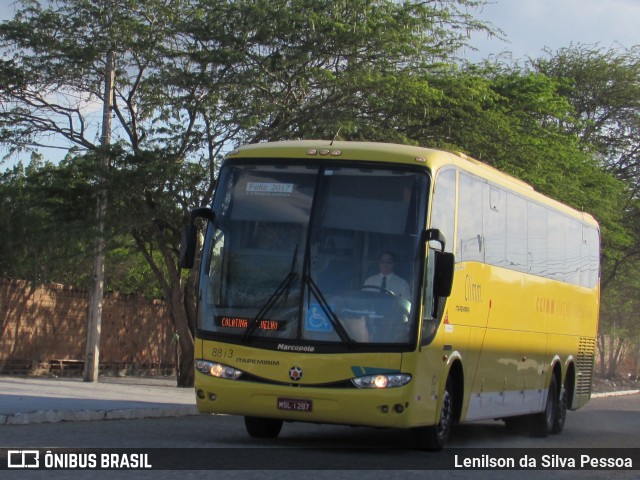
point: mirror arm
(202, 212)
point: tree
(195, 77)
(603, 88)
(35, 201)
(46, 230)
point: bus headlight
(218, 370)
(388, 380)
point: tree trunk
(617, 354)
(185, 373)
(170, 280)
(602, 353)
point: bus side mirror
(189, 241)
(444, 264)
(188, 245)
(435, 235)
(443, 275)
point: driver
(388, 280)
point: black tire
(542, 423)
(434, 437)
(561, 412)
(258, 427)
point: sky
(531, 25)
(528, 25)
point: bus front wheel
(258, 427)
(435, 436)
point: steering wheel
(379, 289)
(390, 329)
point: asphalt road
(611, 422)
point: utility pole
(92, 357)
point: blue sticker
(316, 320)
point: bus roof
(430, 158)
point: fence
(44, 328)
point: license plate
(295, 404)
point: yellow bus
(390, 286)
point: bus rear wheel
(258, 427)
(435, 436)
(561, 413)
(542, 424)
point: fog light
(200, 394)
(398, 408)
(213, 397)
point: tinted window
(590, 256)
(572, 254)
(494, 225)
(470, 238)
(516, 233)
(537, 239)
(506, 230)
(444, 205)
(555, 246)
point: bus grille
(586, 355)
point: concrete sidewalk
(25, 400)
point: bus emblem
(295, 373)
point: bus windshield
(314, 254)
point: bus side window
(590, 255)
(573, 250)
(470, 236)
(516, 248)
(537, 239)
(556, 268)
(495, 225)
(444, 202)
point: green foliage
(603, 86)
(127, 271)
(47, 229)
(43, 224)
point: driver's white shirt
(395, 284)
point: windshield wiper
(282, 288)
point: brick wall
(44, 323)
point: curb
(55, 416)
(614, 394)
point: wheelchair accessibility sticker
(317, 320)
